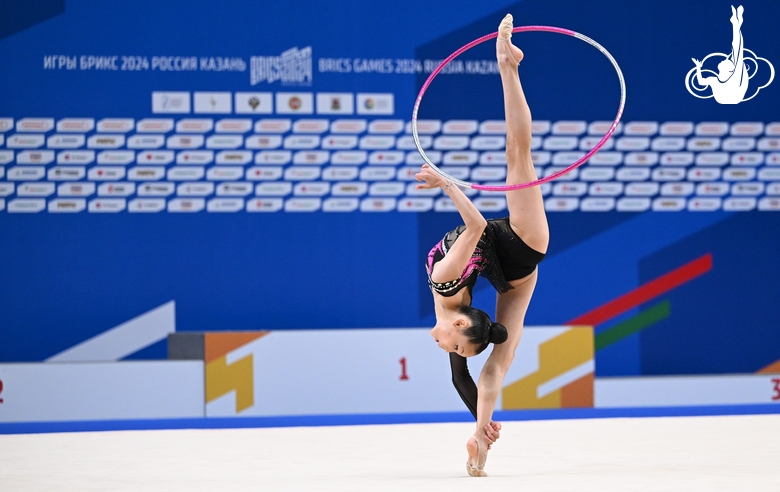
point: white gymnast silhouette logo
(730, 83)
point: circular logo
(295, 103)
(369, 104)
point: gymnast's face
(448, 334)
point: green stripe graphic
(638, 323)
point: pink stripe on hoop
(519, 186)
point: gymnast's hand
(492, 433)
(431, 179)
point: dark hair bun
(498, 333)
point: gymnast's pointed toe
(505, 28)
(474, 471)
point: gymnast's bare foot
(473, 463)
(506, 52)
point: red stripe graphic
(646, 292)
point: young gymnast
(505, 251)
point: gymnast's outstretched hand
(430, 178)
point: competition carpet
(719, 453)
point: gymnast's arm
(463, 382)
(457, 258)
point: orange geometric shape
(773, 368)
(222, 378)
(557, 356)
(578, 393)
(219, 344)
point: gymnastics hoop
(519, 186)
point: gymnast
(505, 251)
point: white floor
(649, 454)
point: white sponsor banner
(278, 125)
(105, 141)
(22, 141)
(353, 126)
(597, 173)
(107, 205)
(160, 157)
(672, 391)
(234, 189)
(492, 127)
(264, 205)
(35, 125)
(122, 125)
(264, 142)
(712, 128)
(154, 125)
(593, 204)
(358, 157)
(185, 141)
(76, 125)
(26, 205)
(146, 205)
(633, 204)
(302, 204)
(186, 205)
(677, 128)
(641, 128)
(335, 103)
(101, 391)
(66, 205)
(460, 127)
(212, 102)
(20, 173)
(386, 126)
(667, 144)
(171, 102)
(254, 103)
(58, 141)
(375, 103)
(377, 173)
(76, 157)
(406, 142)
(569, 127)
(65, 173)
(633, 143)
(339, 173)
(142, 141)
(225, 205)
(294, 103)
(739, 204)
(220, 141)
(106, 173)
(35, 157)
(76, 189)
(233, 125)
(340, 205)
(340, 142)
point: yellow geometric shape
(556, 357)
(222, 378)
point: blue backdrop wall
(68, 277)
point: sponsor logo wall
(265, 181)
